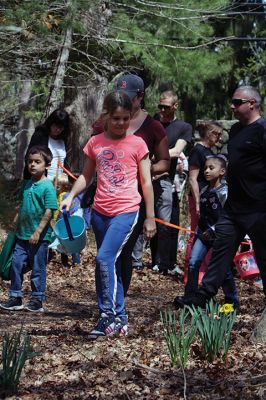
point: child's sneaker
(34, 305)
(105, 327)
(12, 304)
(121, 327)
(258, 283)
(176, 270)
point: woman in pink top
(118, 158)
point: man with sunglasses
(245, 208)
(179, 134)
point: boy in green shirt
(33, 232)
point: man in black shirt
(179, 133)
(245, 209)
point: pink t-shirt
(117, 169)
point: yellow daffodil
(227, 308)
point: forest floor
(69, 366)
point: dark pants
(230, 231)
(199, 251)
(126, 254)
(174, 232)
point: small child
(63, 186)
(212, 199)
(118, 158)
(33, 232)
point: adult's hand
(66, 203)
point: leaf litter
(69, 366)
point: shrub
(178, 336)
(214, 328)
(16, 351)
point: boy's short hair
(220, 157)
(44, 151)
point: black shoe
(138, 267)
(178, 302)
(12, 304)
(34, 305)
(196, 300)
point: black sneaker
(179, 302)
(196, 300)
(105, 327)
(12, 304)
(34, 305)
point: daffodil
(227, 308)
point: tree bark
(25, 128)
(85, 104)
(259, 333)
(59, 73)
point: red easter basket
(246, 264)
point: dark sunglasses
(239, 102)
(161, 106)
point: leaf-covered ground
(69, 366)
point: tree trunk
(85, 104)
(25, 126)
(259, 333)
(59, 72)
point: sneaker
(105, 327)
(12, 304)
(156, 268)
(258, 283)
(34, 305)
(197, 300)
(178, 302)
(176, 270)
(121, 327)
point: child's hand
(198, 210)
(149, 228)
(34, 239)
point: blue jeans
(199, 251)
(29, 255)
(111, 234)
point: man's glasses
(239, 102)
(162, 106)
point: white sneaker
(176, 270)
(155, 268)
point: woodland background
(70, 52)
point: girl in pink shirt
(118, 158)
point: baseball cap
(130, 84)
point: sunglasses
(162, 106)
(217, 134)
(239, 102)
